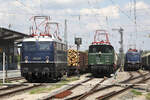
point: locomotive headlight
(128, 61)
(47, 59)
(26, 59)
(138, 62)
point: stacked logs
(72, 57)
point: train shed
(8, 44)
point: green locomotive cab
(102, 59)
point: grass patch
(1, 82)
(136, 92)
(54, 86)
(6, 81)
(148, 96)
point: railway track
(13, 79)
(112, 93)
(67, 92)
(97, 88)
(84, 95)
(17, 88)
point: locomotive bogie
(47, 71)
(132, 66)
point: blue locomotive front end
(41, 60)
(132, 61)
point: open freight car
(77, 61)
(146, 61)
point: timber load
(72, 57)
(77, 60)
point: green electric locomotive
(102, 59)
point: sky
(84, 17)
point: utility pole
(65, 34)
(121, 46)
(3, 67)
(78, 42)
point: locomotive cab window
(101, 48)
(29, 46)
(44, 46)
(36, 46)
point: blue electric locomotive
(43, 58)
(132, 60)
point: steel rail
(19, 90)
(110, 95)
(71, 88)
(103, 88)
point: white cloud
(139, 5)
(62, 1)
(111, 11)
(66, 1)
(92, 26)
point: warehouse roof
(7, 34)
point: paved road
(11, 73)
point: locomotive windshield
(36, 46)
(29, 46)
(100, 48)
(44, 46)
(133, 57)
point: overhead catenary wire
(129, 17)
(123, 12)
(25, 6)
(95, 14)
(135, 20)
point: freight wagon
(77, 61)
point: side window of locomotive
(58, 46)
(62, 47)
